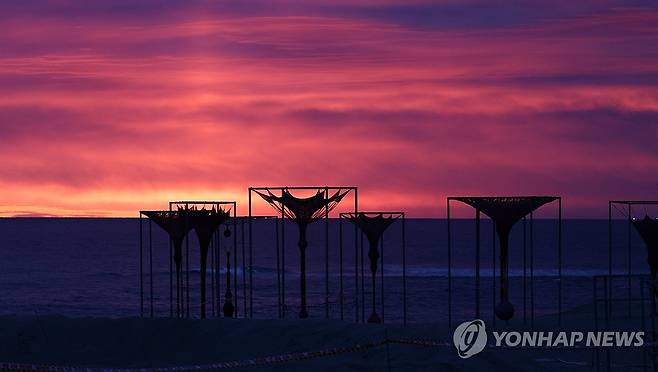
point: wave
(389, 271)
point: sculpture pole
(504, 309)
(373, 255)
(228, 304)
(178, 260)
(303, 313)
(204, 243)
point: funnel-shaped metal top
(506, 211)
(175, 223)
(373, 227)
(206, 221)
(648, 229)
(303, 210)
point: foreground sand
(134, 342)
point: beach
(309, 345)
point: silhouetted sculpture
(648, 229)
(373, 228)
(205, 223)
(228, 296)
(505, 212)
(303, 211)
(177, 225)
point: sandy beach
(259, 345)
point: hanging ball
(227, 233)
(504, 310)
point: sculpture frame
(180, 300)
(215, 266)
(359, 266)
(280, 248)
(526, 267)
(628, 204)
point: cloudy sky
(108, 107)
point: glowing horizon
(110, 108)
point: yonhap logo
(470, 338)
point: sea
(90, 267)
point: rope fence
(260, 361)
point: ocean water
(90, 267)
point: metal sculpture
(231, 208)
(176, 224)
(205, 223)
(648, 230)
(505, 212)
(303, 211)
(373, 225)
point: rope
(259, 361)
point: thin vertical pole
(340, 258)
(642, 305)
(212, 273)
(477, 263)
(141, 268)
(283, 260)
(363, 288)
(326, 253)
(532, 271)
(525, 274)
(187, 276)
(404, 271)
(630, 222)
(278, 267)
(607, 317)
(493, 271)
(244, 271)
(609, 241)
(235, 259)
(171, 279)
(559, 268)
(151, 264)
(218, 277)
(596, 319)
(356, 256)
(251, 262)
(356, 274)
(652, 295)
(609, 238)
(449, 265)
(381, 244)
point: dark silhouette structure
(212, 241)
(647, 227)
(626, 209)
(505, 212)
(373, 225)
(606, 287)
(206, 222)
(176, 223)
(228, 297)
(205, 218)
(303, 211)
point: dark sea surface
(90, 267)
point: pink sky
(110, 107)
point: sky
(110, 107)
